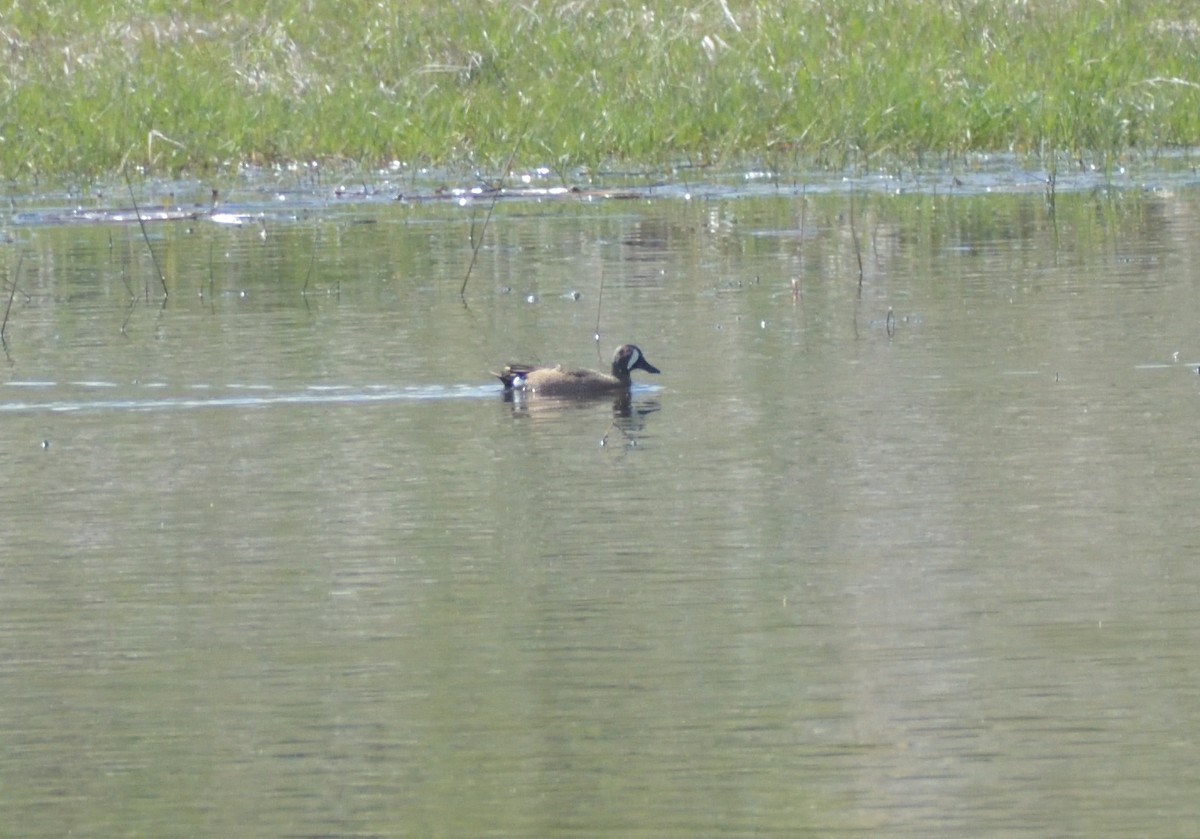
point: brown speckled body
(579, 384)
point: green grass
(187, 87)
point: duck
(556, 380)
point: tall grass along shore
(185, 87)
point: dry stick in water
(133, 301)
(803, 212)
(12, 292)
(800, 246)
(599, 303)
(211, 272)
(478, 243)
(462, 292)
(146, 236)
(857, 249)
(312, 259)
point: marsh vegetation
(91, 87)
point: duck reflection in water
(542, 390)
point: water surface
(905, 553)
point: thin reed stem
(145, 235)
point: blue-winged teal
(559, 381)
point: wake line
(314, 396)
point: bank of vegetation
(93, 87)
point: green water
(276, 558)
